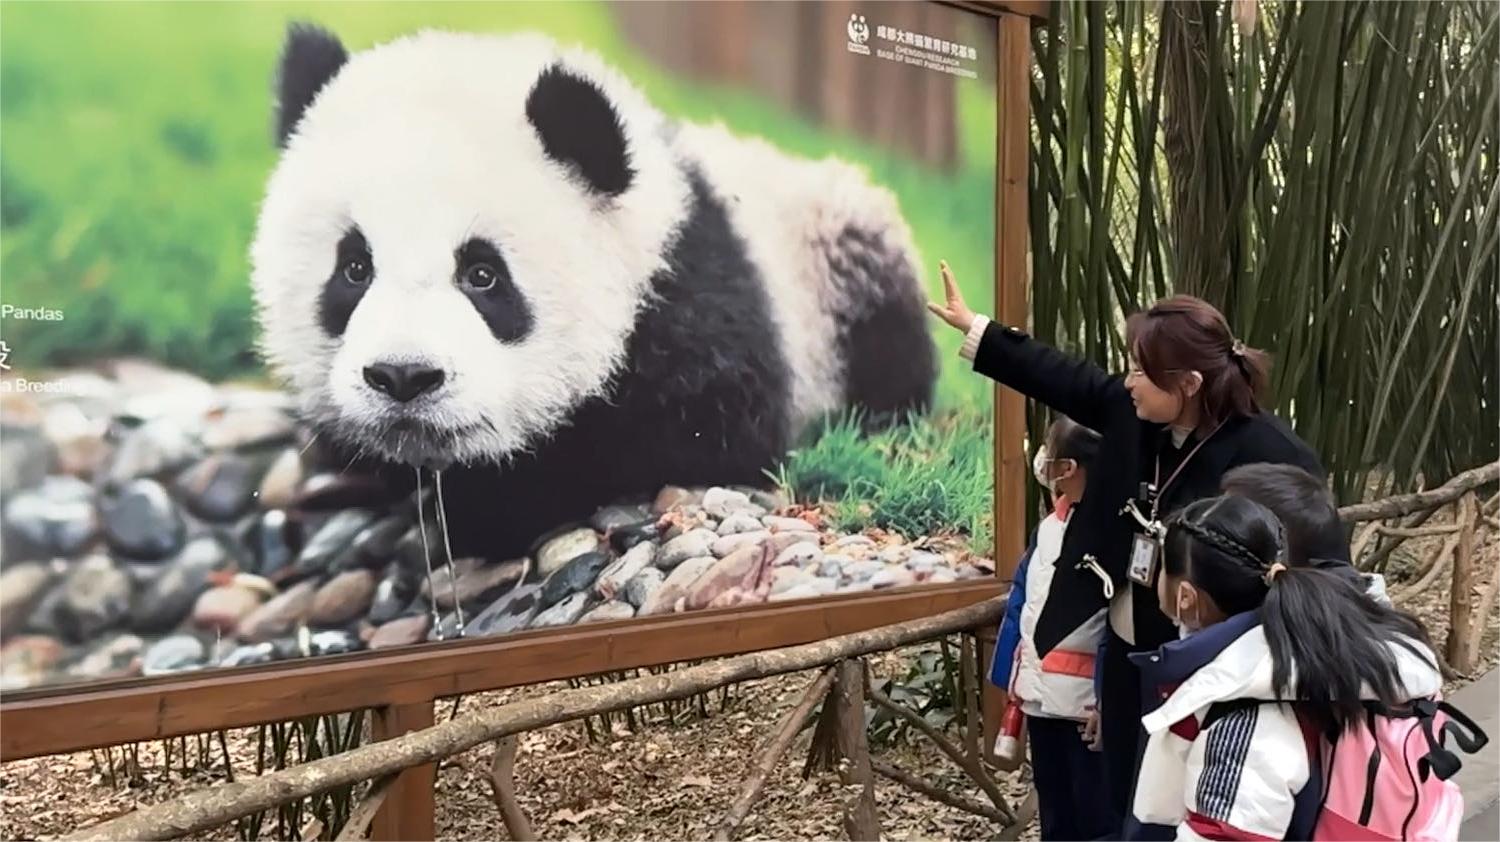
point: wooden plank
(1011, 307)
(409, 810)
(1038, 11)
(38, 723)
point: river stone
(801, 590)
(855, 542)
(672, 498)
(612, 610)
(969, 571)
(77, 438)
(785, 578)
(740, 523)
(165, 600)
(220, 488)
(832, 566)
(280, 616)
(141, 521)
(155, 448)
(248, 426)
(895, 554)
(563, 613)
(695, 544)
(221, 609)
(941, 575)
(93, 597)
(773, 500)
(278, 488)
(640, 587)
(611, 518)
(720, 503)
(674, 588)
(508, 613)
(730, 544)
(484, 584)
(329, 544)
(923, 562)
(25, 455)
(394, 594)
(799, 554)
(402, 632)
(376, 544)
(746, 571)
(861, 571)
(788, 524)
(626, 538)
(622, 570)
(344, 598)
(556, 553)
(22, 586)
(333, 492)
(333, 642)
(28, 660)
(119, 657)
(260, 653)
(56, 518)
(272, 540)
(893, 576)
(178, 653)
(576, 576)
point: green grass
(136, 143)
(931, 475)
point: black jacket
(1128, 455)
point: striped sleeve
(1250, 765)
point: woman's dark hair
(1335, 635)
(1182, 334)
(1301, 502)
(1068, 439)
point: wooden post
(861, 819)
(1461, 601)
(408, 813)
(1011, 273)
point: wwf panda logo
(859, 31)
(491, 261)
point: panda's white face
(454, 246)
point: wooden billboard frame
(401, 686)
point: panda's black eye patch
(353, 270)
(482, 274)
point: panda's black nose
(403, 381)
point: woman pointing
(1186, 412)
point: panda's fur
(599, 302)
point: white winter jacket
(1061, 685)
(1238, 778)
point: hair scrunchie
(1273, 571)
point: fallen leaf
(697, 780)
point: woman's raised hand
(955, 312)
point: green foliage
(930, 475)
(138, 142)
(1330, 180)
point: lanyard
(1161, 487)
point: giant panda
(491, 257)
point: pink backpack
(1386, 780)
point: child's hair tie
(1272, 572)
(1237, 348)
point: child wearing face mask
(1298, 708)
(1056, 691)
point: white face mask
(1039, 467)
(1183, 629)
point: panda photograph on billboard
(344, 327)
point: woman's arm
(1074, 387)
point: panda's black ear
(310, 57)
(579, 128)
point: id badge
(1143, 556)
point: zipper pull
(1090, 562)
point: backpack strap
(1443, 762)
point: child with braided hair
(1276, 655)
